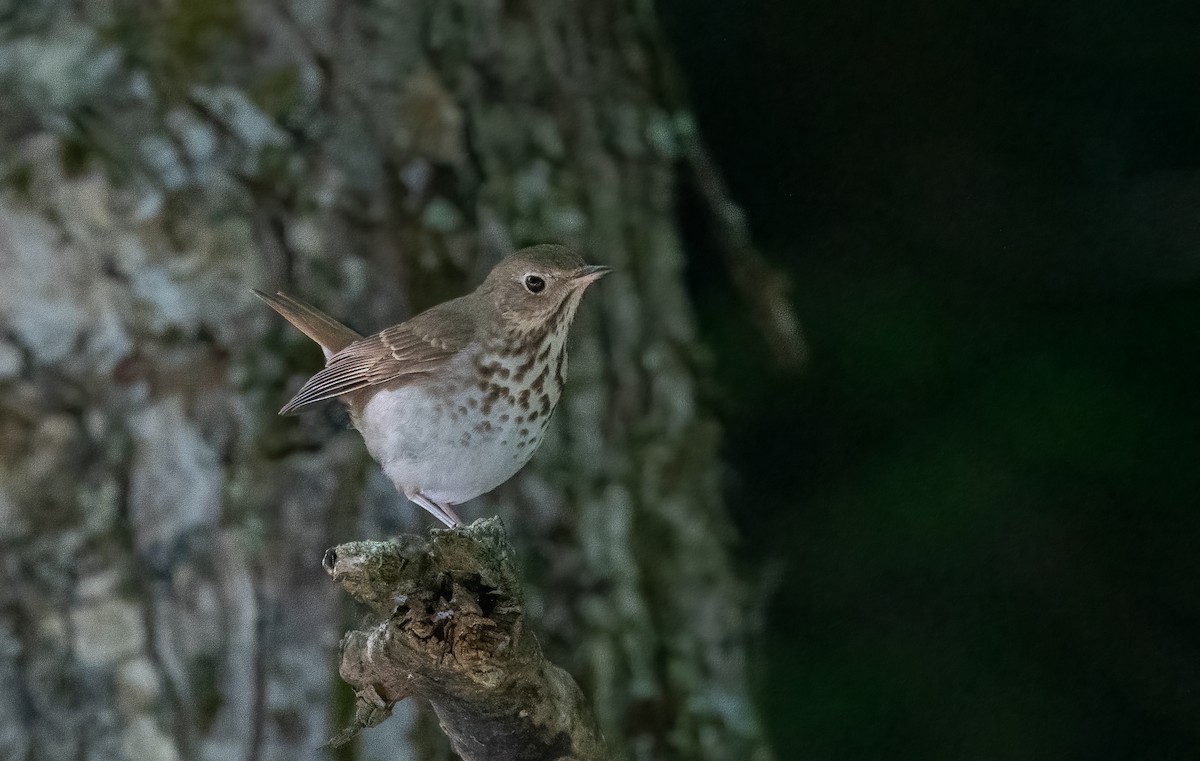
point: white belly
(444, 447)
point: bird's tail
(332, 335)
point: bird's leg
(449, 510)
(442, 512)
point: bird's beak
(591, 273)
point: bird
(454, 401)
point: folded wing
(405, 353)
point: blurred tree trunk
(161, 530)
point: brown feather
(332, 335)
(401, 354)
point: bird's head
(539, 288)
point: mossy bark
(161, 530)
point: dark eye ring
(534, 284)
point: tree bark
(449, 627)
(161, 528)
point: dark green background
(978, 500)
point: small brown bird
(453, 402)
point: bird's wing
(407, 352)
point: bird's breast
(464, 435)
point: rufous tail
(332, 335)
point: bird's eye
(534, 284)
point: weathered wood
(448, 625)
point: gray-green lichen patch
(565, 221)
(12, 522)
(139, 686)
(625, 127)
(11, 361)
(370, 571)
(175, 484)
(442, 216)
(107, 632)
(44, 297)
(546, 135)
(532, 186)
(255, 131)
(99, 504)
(54, 74)
(15, 738)
(160, 155)
(145, 740)
(307, 238)
(661, 134)
(196, 286)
